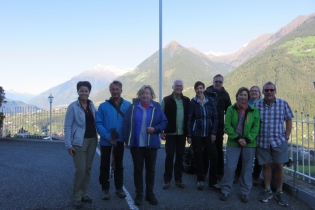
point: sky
(46, 43)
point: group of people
(257, 128)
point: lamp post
(50, 98)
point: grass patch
(300, 46)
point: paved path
(38, 174)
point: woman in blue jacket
(202, 129)
(143, 123)
(81, 141)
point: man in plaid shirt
(272, 146)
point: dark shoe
(215, 187)
(105, 195)
(224, 197)
(77, 204)
(166, 185)
(200, 186)
(265, 196)
(120, 193)
(138, 199)
(245, 198)
(179, 184)
(86, 199)
(256, 181)
(151, 198)
(280, 197)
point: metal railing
(302, 146)
(31, 122)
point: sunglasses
(220, 82)
(269, 90)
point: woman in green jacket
(241, 125)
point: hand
(242, 142)
(213, 138)
(189, 140)
(150, 130)
(126, 145)
(71, 151)
(112, 141)
(162, 136)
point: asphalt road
(38, 174)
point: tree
(2, 97)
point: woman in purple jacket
(143, 123)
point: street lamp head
(50, 98)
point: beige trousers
(83, 160)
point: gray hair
(115, 82)
(269, 83)
(218, 75)
(177, 80)
(142, 90)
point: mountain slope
(259, 44)
(13, 95)
(289, 63)
(65, 93)
(178, 63)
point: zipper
(133, 106)
(150, 125)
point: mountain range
(285, 57)
(65, 93)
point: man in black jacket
(175, 107)
(222, 101)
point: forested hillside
(289, 63)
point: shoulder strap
(117, 109)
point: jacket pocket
(73, 135)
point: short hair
(269, 83)
(255, 86)
(84, 83)
(218, 75)
(241, 90)
(177, 80)
(142, 90)
(199, 83)
(115, 82)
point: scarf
(145, 105)
(241, 116)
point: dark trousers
(219, 146)
(141, 156)
(256, 169)
(106, 152)
(174, 144)
(201, 144)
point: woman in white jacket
(81, 141)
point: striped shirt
(272, 118)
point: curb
(299, 193)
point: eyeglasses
(269, 90)
(178, 86)
(220, 82)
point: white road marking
(128, 198)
